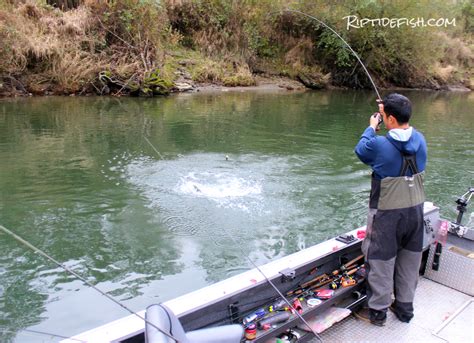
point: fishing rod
(46, 334)
(70, 271)
(345, 42)
(291, 306)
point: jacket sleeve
(366, 149)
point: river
(272, 172)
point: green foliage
(138, 22)
(258, 43)
(240, 77)
(208, 71)
(466, 15)
(334, 47)
(404, 56)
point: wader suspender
(409, 161)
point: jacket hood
(405, 140)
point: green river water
(79, 181)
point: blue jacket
(383, 153)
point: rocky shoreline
(262, 84)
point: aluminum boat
(444, 311)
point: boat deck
(435, 306)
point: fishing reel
(456, 227)
(462, 204)
(378, 115)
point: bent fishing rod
(70, 271)
(342, 39)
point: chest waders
(394, 240)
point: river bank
(286, 84)
(145, 48)
(262, 84)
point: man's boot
(372, 316)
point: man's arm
(366, 148)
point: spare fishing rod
(70, 271)
(344, 41)
(46, 334)
(273, 286)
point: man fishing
(394, 236)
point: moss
(157, 85)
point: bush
(209, 71)
(241, 77)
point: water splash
(201, 193)
(217, 186)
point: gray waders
(394, 241)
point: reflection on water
(79, 180)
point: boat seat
(162, 317)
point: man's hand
(381, 108)
(375, 121)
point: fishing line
(147, 140)
(42, 253)
(273, 285)
(339, 36)
(153, 147)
